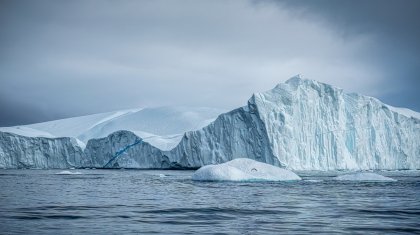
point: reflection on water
(133, 201)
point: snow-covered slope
(26, 131)
(162, 127)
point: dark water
(132, 201)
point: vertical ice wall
(314, 126)
(38, 152)
(236, 134)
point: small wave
(314, 181)
(68, 173)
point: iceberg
(307, 125)
(243, 169)
(363, 176)
(124, 149)
(301, 124)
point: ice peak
(296, 82)
(299, 80)
(296, 78)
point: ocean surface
(169, 202)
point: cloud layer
(68, 58)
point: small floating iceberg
(243, 169)
(68, 173)
(363, 176)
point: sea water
(169, 202)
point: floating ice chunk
(363, 176)
(68, 173)
(243, 169)
(162, 175)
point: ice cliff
(312, 125)
(124, 149)
(18, 151)
(307, 125)
(300, 124)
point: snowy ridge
(162, 127)
(404, 111)
(26, 131)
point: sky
(62, 58)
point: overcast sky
(68, 58)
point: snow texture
(243, 169)
(363, 176)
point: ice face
(38, 152)
(123, 149)
(307, 125)
(243, 169)
(363, 176)
(315, 126)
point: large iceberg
(243, 169)
(300, 125)
(307, 125)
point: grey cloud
(394, 26)
(68, 58)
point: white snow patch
(243, 169)
(404, 111)
(164, 143)
(68, 173)
(78, 142)
(363, 176)
(26, 131)
(114, 115)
